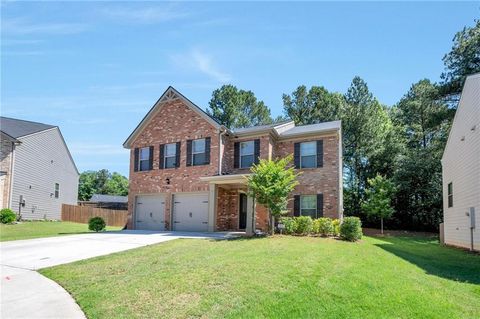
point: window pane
(144, 165)
(170, 149)
(170, 162)
(199, 146)
(308, 148)
(308, 201)
(199, 159)
(309, 212)
(144, 153)
(450, 189)
(246, 161)
(308, 161)
(246, 148)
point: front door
(242, 215)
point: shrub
(289, 223)
(7, 216)
(336, 227)
(323, 226)
(351, 229)
(96, 224)
(303, 225)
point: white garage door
(190, 212)
(150, 212)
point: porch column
(250, 216)
(212, 204)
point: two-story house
(37, 171)
(188, 172)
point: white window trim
(140, 157)
(314, 155)
(241, 154)
(449, 194)
(165, 156)
(193, 150)
(57, 190)
(315, 201)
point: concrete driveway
(27, 294)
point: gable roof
(169, 95)
(108, 198)
(16, 128)
(470, 78)
(285, 129)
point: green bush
(96, 224)
(290, 225)
(323, 226)
(303, 225)
(336, 227)
(7, 216)
(351, 229)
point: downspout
(10, 190)
(220, 150)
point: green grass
(279, 277)
(37, 229)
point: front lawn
(36, 229)
(279, 277)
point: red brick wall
(173, 122)
(227, 210)
(265, 152)
(317, 180)
(177, 122)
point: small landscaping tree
(379, 199)
(270, 184)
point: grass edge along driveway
(40, 229)
(295, 277)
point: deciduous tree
(378, 202)
(270, 183)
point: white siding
(40, 161)
(461, 167)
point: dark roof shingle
(17, 128)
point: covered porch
(230, 208)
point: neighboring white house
(461, 171)
(35, 167)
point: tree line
(402, 143)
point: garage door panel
(191, 212)
(150, 212)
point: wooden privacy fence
(81, 214)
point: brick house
(188, 172)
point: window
(308, 205)
(308, 154)
(57, 190)
(198, 152)
(450, 195)
(246, 154)
(170, 155)
(144, 159)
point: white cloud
(201, 62)
(21, 26)
(146, 15)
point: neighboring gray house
(461, 171)
(36, 166)
(107, 201)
